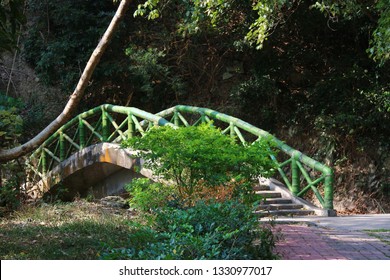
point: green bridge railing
(111, 123)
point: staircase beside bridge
(279, 201)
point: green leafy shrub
(11, 173)
(365, 105)
(10, 121)
(10, 194)
(58, 43)
(146, 195)
(201, 157)
(224, 231)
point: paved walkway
(334, 238)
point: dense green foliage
(150, 77)
(198, 157)
(11, 19)
(222, 231)
(377, 11)
(11, 125)
(10, 121)
(380, 50)
(265, 15)
(62, 37)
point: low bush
(216, 230)
(146, 195)
(10, 195)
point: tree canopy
(258, 18)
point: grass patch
(377, 230)
(77, 230)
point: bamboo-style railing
(111, 123)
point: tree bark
(75, 97)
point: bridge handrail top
(159, 119)
(108, 108)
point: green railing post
(130, 126)
(231, 125)
(295, 180)
(328, 189)
(175, 118)
(202, 117)
(44, 161)
(62, 146)
(81, 133)
(104, 125)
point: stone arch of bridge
(102, 169)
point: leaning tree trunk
(7, 155)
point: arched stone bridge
(101, 169)
(85, 153)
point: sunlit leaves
(380, 43)
(199, 15)
(258, 31)
(149, 9)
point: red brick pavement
(303, 242)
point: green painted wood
(226, 130)
(239, 135)
(231, 127)
(295, 180)
(118, 129)
(52, 155)
(81, 133)
(97, 127)
(62, 146)
(43, 157)
(74, 144)
(105, 128)
(138, 126)
(313, 183)
(176, 118)
(183, 120)
(130, 125)
(93, 130)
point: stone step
(284, 212)
(279, 206)
(261, 188)
(269, 194)
(277, 201)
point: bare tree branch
(7, 155)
